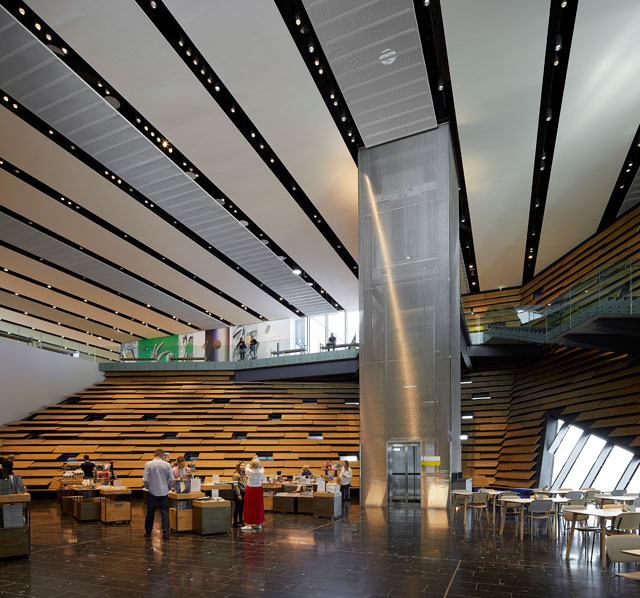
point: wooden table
(493, 494)
(603, 515)
(523, 502)
(632, 552)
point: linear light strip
(23, 14)
(171, 30)
(434, 49)
(77, 298)
(78, 209)
(105, 261)
(562, 18)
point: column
(409, 298)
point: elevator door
(403, 467)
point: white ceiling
(496, 55)
(600, 114)
(496, 52)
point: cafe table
(632, 552)
(603, 515)
(616, 498)
(523, 502)
(493, 494)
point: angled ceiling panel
(158, 84)
(496, 53)
(599, 119)
(70, 177)
(37, 78)
(375, 53)
(267, 76)
(29, 239)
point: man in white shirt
(158, 480)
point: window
(564, 450)
(265, 456)
(275, 417)
(315, 436)
(599, 463)
(612, 469)
(239, 435)
(584, 462)
(348, 457)
(634, 483)
(310, 401)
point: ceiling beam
(562, 18)
(195, 61)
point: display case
(115, 504)
(327, 504)
(211, 516)
(15, 532)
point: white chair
(479, 502)
(615, 545)
(575, 494)
(540, 509)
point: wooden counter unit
(16, 540)
(181, 514)
(115, 504)
(327, 504)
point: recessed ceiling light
(311, 48)
(243, 222)
(388, 56)
(296, 271)
(21, 11)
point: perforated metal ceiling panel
(35, 242)
(375, 53)
(33, 74)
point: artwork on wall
(201, 345)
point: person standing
(331, 343)
(242, 349)
(239, 487)
(345, 481)
(182, 473)
(88, 468)
(253, 514)
(253, 347)
(158, 480)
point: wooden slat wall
(203, 410)
(618, 242)
(602, 390)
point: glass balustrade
(612, 289)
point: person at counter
(239, 488)
(88, 467)
(345, 481)
(306, 472)
(253, 514)
(158, 480)
(328, 467)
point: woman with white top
(345, 481)
(253, 503)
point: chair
(479, 502)
(590, 493)
(613, 531)
(575, 494)
(615, 545)
(625, 524)
(636, 502)
(618, 492)
(541, 509)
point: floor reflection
(395, 551)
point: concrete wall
(32, 378)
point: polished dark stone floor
(370, 552)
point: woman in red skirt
(253, 504)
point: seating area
(214, 421)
